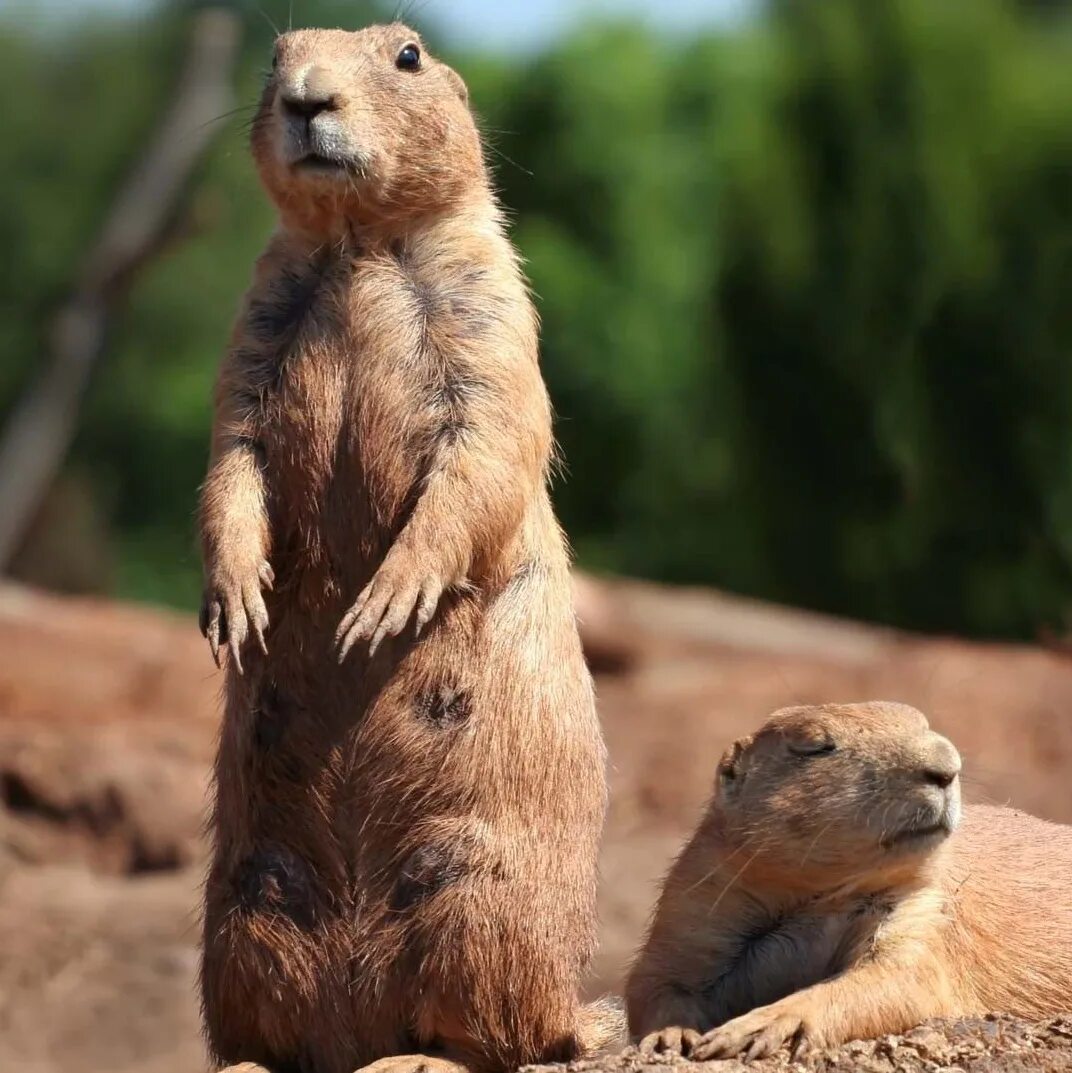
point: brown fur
(791, 916)
(405, 826)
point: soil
(993, 1045)
(108, 716)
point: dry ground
(107, 722)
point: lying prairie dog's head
(833, 793)
(363, 126)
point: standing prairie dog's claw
(210, 623)
(236, 626)
(427, 602)
(233, 609)
(257, 614)
(384, 607)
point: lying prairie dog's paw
(757, 1034)
(672, 1040)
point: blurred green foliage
(806, 287)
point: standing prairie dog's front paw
(233, 607)
(403, 586)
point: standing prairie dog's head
(363, 126)
(832, 792)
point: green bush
(806, 296)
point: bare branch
(38, 436)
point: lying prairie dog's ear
(734, 762)
(458, 83)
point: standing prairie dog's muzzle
(310, 91)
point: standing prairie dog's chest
(353, 386)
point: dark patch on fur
(255, 448)
(474, 309)
(735, 967)
(275, 320)
(291, 296)
(454, 392)
(248, 398)
(445, 707)
(275, 880)
(467, 314)
(271, 717)
(777, 956)
(876, 905)
(426, 872)
(427, 295)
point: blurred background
(805, 274)
(804, 268)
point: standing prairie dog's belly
(410, 784)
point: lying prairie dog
(834, 891)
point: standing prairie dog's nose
(940, 762)
(310, 91)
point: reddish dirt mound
(107, 724)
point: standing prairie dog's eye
(409, 59)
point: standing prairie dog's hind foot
(603, 1029)
(671, 1040)
(414, 1063)
(245, 1067)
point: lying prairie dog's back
(1009, 888)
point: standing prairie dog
(410, 781)
(825, 896)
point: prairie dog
(410, 782)
(831, 892)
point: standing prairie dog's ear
(458, 83)
(732, 765)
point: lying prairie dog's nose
(311, 92)
(941, 762)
